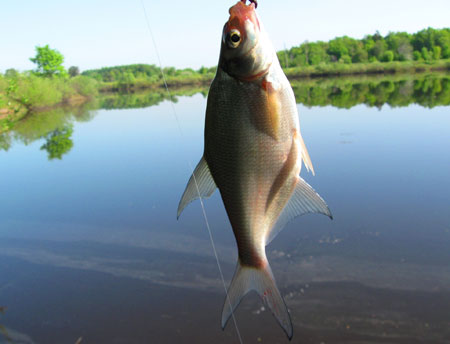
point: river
(90, 246)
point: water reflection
(55, 126)
(91, 241)
(58, 142)
(144, 99)
(428, 90)
(3, 330)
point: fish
(253, 153)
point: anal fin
(201, 184)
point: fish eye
(233, 38)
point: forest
(426, 45)
(372, 54)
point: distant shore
(30, 94)
(324, 70)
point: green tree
(437, 52)
(379, 49)
(74, 71)
(417, 56)
(443, 40)
(317, 53)
(337, 48)
(426, 54)
(388, 56)
(49, 62)
(11, 73)
(360, 55)
(400, 44)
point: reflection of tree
(58, 143)
(5, 141)
(44, 124)
(145, 98)
(426, 90)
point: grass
(338, 69)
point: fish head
(246, 52)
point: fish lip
(241, 12)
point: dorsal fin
(205, 184)
(304, 200)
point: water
(90, 246)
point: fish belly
(246, 160)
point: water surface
(90, 246)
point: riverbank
(373, 90)
(197, 79)
(343, 69)
(27, 93)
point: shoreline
(17, 110)
(298, 73)
(10, 116)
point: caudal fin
(262, 281)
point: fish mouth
(239, 13)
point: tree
(400, 44)
(426, 54)
(49, 62)
(417, 56)
(337, 48)
(388, 56)
(378, 49)
(437, 52)
(11, 73)
(74, 71)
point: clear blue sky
(98, 33)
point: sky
(99, 33)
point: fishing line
(192, 171)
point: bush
(35, 91)
(84, 85)
(388, 56)
(417, 56)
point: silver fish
(253, 154)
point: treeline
(426, 45)
(142, 75)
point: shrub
(84, 85)
(388, 56)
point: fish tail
(260, 279)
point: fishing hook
(252, 2)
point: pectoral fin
(201, 184)
(304, 200)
